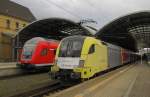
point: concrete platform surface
(128, 81)
(8, 65)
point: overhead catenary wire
(76, 15)
(64, 9)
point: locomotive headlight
(81, 63)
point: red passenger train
(38, 52)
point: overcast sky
(102, 11)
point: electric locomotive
(81, 57)
(38, 52)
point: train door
(51, 54)
(44, 54)
(101, 60)
(47, 54)
(96, 58)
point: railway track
(42, 90)
(16, 72)
(52, 89)
(38, 89)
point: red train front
(38, 52)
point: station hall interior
(54, 48)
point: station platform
(8, 65)
(128, 81)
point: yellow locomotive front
(78, 57)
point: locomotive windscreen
(71, 47)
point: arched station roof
(53, 28)
(120, 31)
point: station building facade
(13, 17)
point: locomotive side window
(92, 49)
(44, 52)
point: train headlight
(81, 63)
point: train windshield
(71, 47)
(28, 51)
(29, 47)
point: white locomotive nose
(68, 62)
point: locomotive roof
(43, 39)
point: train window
(17, 26)
(44, 52)
(8, 24)
(23, 25)
(92, 49)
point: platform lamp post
(13, 49)
(140, 53)
(141, 58)
(17, 53)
